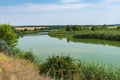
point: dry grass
(16, 69)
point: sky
(59, 12)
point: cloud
(110, 1)
(43, 7)
(69, 1)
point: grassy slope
(17, 69)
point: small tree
(7, 33)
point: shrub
(4, 47)
(7, 33)
(94, 28)
(59, 67)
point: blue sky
(59, 12)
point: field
(28, 28)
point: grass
(108, 34)
(66, 68)
(18, 69)
(113, 35)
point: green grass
(108, 34)
(113, 35)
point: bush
(4, 47)
(95, 28)
(7, 33)
(59, 67)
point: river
(100, 51)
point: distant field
(29, 28)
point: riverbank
(57, 67)
(112, 35)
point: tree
(7, 33)
(118, 27)
(68, 28)
(94, 28)
(76, 28)
(104, 26)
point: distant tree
(25, 30)
(7, 33)
(35, 29)
(68, 28)
(104, 26)
(118, 27)
(94, 28)
(75, 28)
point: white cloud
(69, 1)
(69, 12)
(43, 7)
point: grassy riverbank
(59, 67)
(113, 35)
(16, 64)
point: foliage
(118, 27)
(65, 68)
(4, 47)
(94, 28)
(73, 28)
(28, 55)
(58, 67)
(7, 33)
(113, 35)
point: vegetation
(18, 69)
(27, 55)
(7, 33)
(70, 38)
(92, 32)
(59, 67)
(4, 47)
(113, 35)
(66, 68)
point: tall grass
(113, 35)
(66, 68)
(27, 55)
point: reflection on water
(43, 46)
(88, 41)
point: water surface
(44, 46)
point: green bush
(59, 67)
(8, 34)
